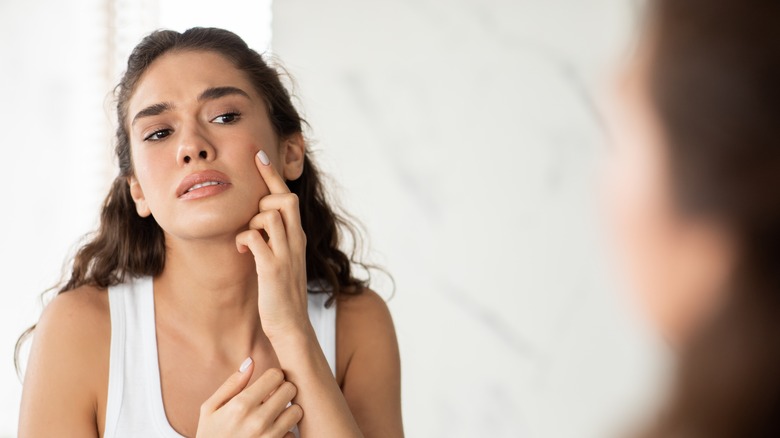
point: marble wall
(466, 135)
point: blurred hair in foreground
(714, 83)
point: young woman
(213, 301)
(697, 187)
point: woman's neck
(209, 291)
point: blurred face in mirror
(674, 263)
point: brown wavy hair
(127, 245)
(715, 85)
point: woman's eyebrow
(217, 92)
(208, 94)
(153, 110)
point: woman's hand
(259, 410)
(276, 239)
(278, 243)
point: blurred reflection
(696, 209)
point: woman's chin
(209, 229)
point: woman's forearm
(325, 411)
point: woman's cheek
(636, 222)
(156, 180)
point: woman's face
(195, 123)
(675, 264)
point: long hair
(715, 85)
(127, 245)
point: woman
(697, 188)
(214, 299)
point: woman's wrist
(296, 337)
(305, 365)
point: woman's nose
(193, 147)
(202, 154)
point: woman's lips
(205, 191)
(202, 184)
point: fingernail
(263, 157)
(245, 364)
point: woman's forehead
(182, 76)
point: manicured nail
(263, 158)
(245, 364)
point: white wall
(53, 151)
(464, 134)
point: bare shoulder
(363, 308)
(74, 327)
(68, 363)
(77, 309)
(79, 318)
(363, 326)
(368, 364)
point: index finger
(232, 386)
(272, 179)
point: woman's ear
(138, 196)
(293, 153)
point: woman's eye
(158, 135)
(226, 118)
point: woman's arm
(69, 355)
(277, 241)
(369, 402)
(325, 411)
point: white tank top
(134, 407)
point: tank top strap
(323, 320)
(134, 404)
(116, 361)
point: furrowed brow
(153, 110)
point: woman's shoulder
(75, 327)
(363, 307)
(364, 327)
(67, 368)
(77, 311)
(76, 324)
(368, 364)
